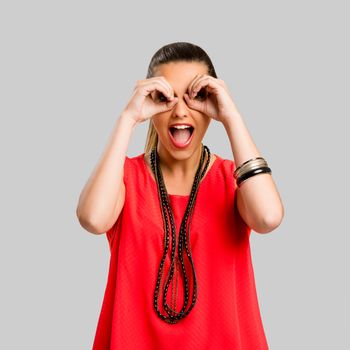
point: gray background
(67, 70)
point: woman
(168, 288)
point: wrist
(126, 117)
(230, 120)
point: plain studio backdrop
(68, 68)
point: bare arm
(103, 196)
(258, 200)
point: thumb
(193, 103)
(170, 104)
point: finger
(198, 84)
(208, 82)
(167, 106)
(198, 76)
(196, 88)
(163, 81)
(156, 85)
(156, 80)
(194, 104)
(171, 90)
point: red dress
(226, 314)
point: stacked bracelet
(251, 167)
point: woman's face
(180, 75)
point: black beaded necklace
(174, 316)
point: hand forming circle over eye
(146, 102)
(216, 102)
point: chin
(182, 153)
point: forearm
(260, 201)
(99, 196)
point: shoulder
(225, 170)
(226, 164)
(132, 161)
(133, 165)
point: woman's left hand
(214, 98)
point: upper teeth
(181, 126)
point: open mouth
(173, 130)
(181, 137)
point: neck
(179, 168)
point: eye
(160, 97)
(202, 94)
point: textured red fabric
(226, 314)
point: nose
(181, 108)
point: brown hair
(178, 51)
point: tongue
(182, 135)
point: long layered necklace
(174, 316)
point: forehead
(180, 74)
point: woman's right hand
(151, 96)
